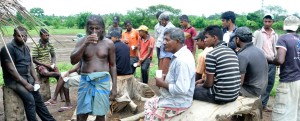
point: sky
(189, 7)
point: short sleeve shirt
(42, 53)
(122, 58)
(145, 45)
(189, 42)
(112, 28)
(201, 62)
(132, 38)
(290, 69)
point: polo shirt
(223, 63)
(43, 53)
(132, 38)
(122, 58)
(21, 58)
(145, 44)
(189, 42)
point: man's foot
(64, 108)
(267, 109)
(50, 103)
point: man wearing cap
(254, 72)
(200, 69)
(130, 38)
(115, 26)
(122, 54)
(164, 57)
(229, 27)
(189, 32)
(287, 100)
(266, 39)
(144, 51)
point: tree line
(147, 17)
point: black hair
(214, 30)
(19, 28)
(184, 18)
(43, 31)
(158, 14)
(228, 15)
(99, 20)
(127, 22)
(201, 36)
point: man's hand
(200, 81)
(161, 83)
(91, 39)
(37, 81)
(66, 74)
(29, 87)
(113, 94)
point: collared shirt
(189, 42)
(160, 38)
(145, 45)
(267, 46)
(122, 58)
(157, 30)
(201, 62)
(159, 43)
(42, 53)
(181, 80)
(226, 37)
(132, 38)
(20, 56)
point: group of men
(234, 62)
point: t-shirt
(132, 38)
(122, 58)
(42, 53)
(255, 70)
(145, 45)
(290, 69)
(189, 42)
(223, 63)
(201, 62)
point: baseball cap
(143, 27)
(244, 33)
(291, 23)
(116, 19)
(200, 35)
(113, 33)
(268, 15)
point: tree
(81, 19)
(38, 12)
(277, 11)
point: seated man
(178, 87)
(252, 63)
(68, 79)
(41, 57)
(122, 54)
(222, 84)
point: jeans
(33, 104)
(271, 80)
(144, 68)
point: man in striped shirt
(222, 84)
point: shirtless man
(97, 55)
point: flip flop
(62, 109)
(48, 103)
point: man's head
(200, 40)
(44, 34)
(213, 35)
(128, 25)
(163, 18)
(173, 39)
(116, 20)
(20, 35)
(143, 31)
(114, 35)
(158, 14)
(242, 35)
(184, 20)
(268, 21)
(95, 24)
(228, 18)
(291, 23)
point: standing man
(45, 65)
(145, 52)
(200, 69)
(158, 28)
(254, 72)
(19, 75)
(287, 100)
(178, 86)
(98, 67)
(115, 26)
(229, 27)
(130, 38)
(222, 84)
(266, 39)
(122, 54)
(164, 57)
(189, 32)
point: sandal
(62, 109)
(48, 103)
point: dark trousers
(33, 104)
(271, 80)
(203, 94)
(157, 54)
(144, 68)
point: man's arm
(113, 70)
(209, 80)
(33, 74)
(280, 57)
(147, 55)
(80, 48)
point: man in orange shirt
(144, 52)
(130, 37)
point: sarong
(155, 113)
(93, 93)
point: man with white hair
(287, 100)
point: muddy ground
(63, 51)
